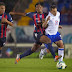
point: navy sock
(28, 52)
(51, 49)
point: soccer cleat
(41, 55)
(17, 58)
(57, 57)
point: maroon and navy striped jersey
(37, 18)
(3, 26)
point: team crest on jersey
(56, 22)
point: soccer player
(39, 33)
(52, 21)
(46, 50)
(5, 20)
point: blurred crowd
(64, 6)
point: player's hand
(48, 18)
(60, 27)
(43, 20)
(4, 20)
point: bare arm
(4, 20)
(60, 27)
(17, 13)
(44, 25)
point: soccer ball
(61, 65)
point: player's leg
(28, 52)
(47, 41)
(58, 41)
(36, 45)
(2, 43)
(51, 49)
(60, 49)
(45, 50)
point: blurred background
(21, 38)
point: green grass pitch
(32, 65)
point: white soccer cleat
(17, 58)
(41, 55)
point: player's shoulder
(58, 12)
(49, 14)
(8, 15)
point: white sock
(61, 52)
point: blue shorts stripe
(61, 49)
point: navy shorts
(2, 41)
(37, 37)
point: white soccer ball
(61, 65)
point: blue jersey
(37, 18)
(3, 26)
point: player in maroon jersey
(39, 33)
(5, 20)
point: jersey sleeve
(9, 18)
(30, 14)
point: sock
(61, 52)
(49, 46)
(26, 53)
(45, 50)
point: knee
(61, 46)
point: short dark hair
(52, 7)
(2, 3)
(39, 3)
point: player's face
(2, 9)
(54, 11)
(39, 8)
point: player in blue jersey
(5, 20)
(39, 32)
